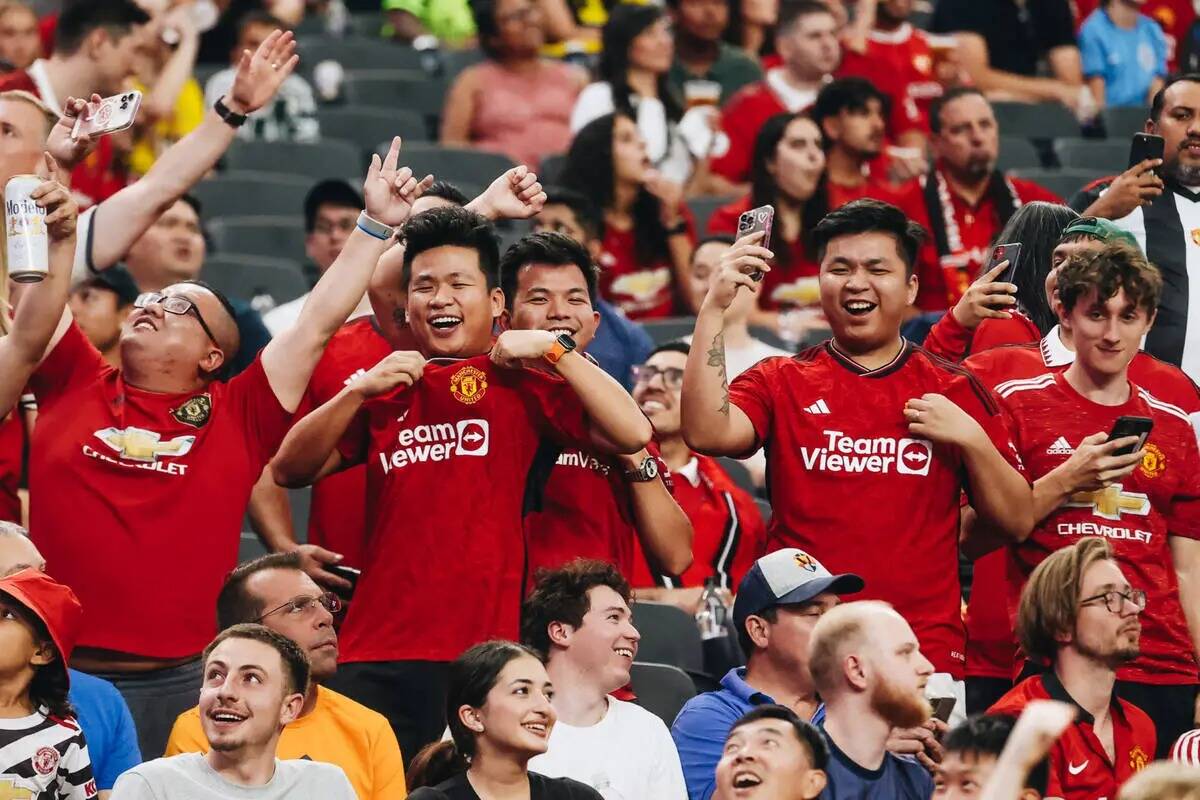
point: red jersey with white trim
(12, 455)
(337, 518)
(851, 485)
(1186, 749)
(137, 497)
(793, 284)
(1079, 767)
(642, 289)
(1160, 498)
(447, 465)
(900, 64)
(742, 117)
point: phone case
(114, 114)
(754, 220)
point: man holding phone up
(1146, 503)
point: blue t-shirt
(107, 727)
(620, 344)
(898, 778)
(1128, 60)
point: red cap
(54, 604)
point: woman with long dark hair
(752, 26)
(788, 174)
(638, 51)
(499, 714)
(648, 238)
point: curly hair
(561, 595)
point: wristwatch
(563, 344)
(374, 227)
(229, 117)
(648, 471)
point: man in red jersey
(967, 200)
(147, 468)
(806, 39)
(870, 441)
(1080, 614)
(584, 504)
(448, 445)
(1147, 503)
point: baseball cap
(116, 280)
(787, 576)
(1098, 228)
(52, 602)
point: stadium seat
(328, 158)
(458, 164)
(249, 192)
(738, 473)
(551, 169)
(366, 126)
(455, 61)
(1063, 182)
(1036, 120)
(300, 501)
(510, 231)
(410, 90)
(1017, 152)
(246, 277)
(669, 636)
(661, 689)
(259, 235)
(668, 329)
(772, 338)
(764, 508)
(1106, 156)
(356, 52)
(1123, 122)
(203, 72)
(703, 207)
(250, 547)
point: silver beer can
(25, 231)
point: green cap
(1098, 228)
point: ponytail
(436, 763)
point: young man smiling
(772, 754)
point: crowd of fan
(504, 467)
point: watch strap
(562, 345)
(228, 116)
(374, 227)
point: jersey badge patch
(195, 411)
(468, 385)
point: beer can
(25, 231)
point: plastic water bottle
(711, 616)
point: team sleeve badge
(195, 411)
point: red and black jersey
(12, 465)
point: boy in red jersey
(448, 445)
(1146, 503)
(1080, 614)
(870, 440)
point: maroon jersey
(851, 485)
(1079, 767)
(12, 456)
(447, 462)
(1160, 498)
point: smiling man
(870, 440)
(772, 754)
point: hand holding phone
(1145, 146)
(1131, 426)
(110, 115)
(943, 707)
(1005, 252)
(753, 221)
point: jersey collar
(1057, 691)
(879, 372)
(1054, 352)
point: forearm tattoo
(716, 358)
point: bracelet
(374, 227)
(677, 228)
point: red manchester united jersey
(137, 497)
(900, 63)
(12, 456)
(1079, 767)
(642, 289)
(790, 284)
(447, 464)
(1160, 498)
(337, 519)
(851, 485)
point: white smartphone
(112, 114)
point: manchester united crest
(923, 64)
(805, 561)
(1154, 463)
(45, 760)
(468, 385)
(1196, 236)
(1138, 758)
(195, 411)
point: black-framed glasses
(300, 606)
(174, 304)
(1115, 601)
(672, 377)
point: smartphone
(112, 114)
(753, 221)
(1143, 146)
(346, 573)
(1131, 426)
(1005, 252)
(943, 707)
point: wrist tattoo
(716, 359)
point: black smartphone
(753, 221)
(1005, 252)
(1143, 146)
(943, 707)
(1131, 426)
(346, 573)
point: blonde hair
(22, 96)
(839, 630)
(1050, 599)
(1163, 780)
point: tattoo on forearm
(716, 358)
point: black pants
(982, 693)
(155, 699)
(411, 694)
(1171, 707)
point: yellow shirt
(184, 118)
(337, 731)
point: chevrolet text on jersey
(883, 454)
(438, 442)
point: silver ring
(275, 65)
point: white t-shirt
(664, 145)
(628, 755)
(189, 777)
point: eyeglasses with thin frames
(175, 304)
(672, 377)
(1115, 601)
(300, 606)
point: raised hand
(514, 195)
(739, 262)
(514, 348)
(388, 192)
(937, 418)
(314, 559)
(62, 212)
(66, 149)
(260, 74)
(986, 298)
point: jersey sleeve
(734, 164)
(1091, 50)
(1184, 517)
(74, 361)
(75, 779)
(83, 268)
(554, 408)
(1018, 329)
(186, 735)
(264, 421)
(969, 394)
(697, 733)
(751, 392)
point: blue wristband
(372, 233)
(374, 227)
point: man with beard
(772, 754)
(867, 666)
(1079, 613)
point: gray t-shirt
(189, 777)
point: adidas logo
(818, 407)
(1061, 447)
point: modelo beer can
(25, 231)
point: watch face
(650, 467)
(566, 342)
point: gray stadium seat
(259, 236)
(368, 126)
(368, 24)
(457, 164)
(246, 276)
(668, 329)
(250, 192)
(764, 508)
(328, 158)
(1036, 120)
(737, 471)
(356, 52)
(1017, 152)
(410, 90)
(202, 72)
(250, 547)
(1107, 156)
(300, 501)
(662, 689)
(703, 207)
(1063, 182)
(1123, 122)
(455, 61)
(669, 636)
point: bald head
(842, 632)
(17, 551)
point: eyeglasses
(341, 226)
(1115, 601)
(300, 606)
(672, 377)
(174, 304)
